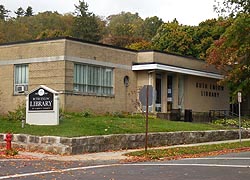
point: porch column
(164, 93)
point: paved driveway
(228, 167)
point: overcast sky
(188, 12)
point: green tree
(206, 33)
(20, 12)
(150, 27)
(125, 24)
(85, 25)
(123, 29)
(29, 11)
(4, 13)
(174, 38)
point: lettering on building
(209, 90)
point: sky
(187, 12)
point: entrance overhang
(155, 66)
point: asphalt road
(229, 167)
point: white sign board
(239, 97)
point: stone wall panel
(91, 144)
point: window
(21, 78)
(93, 79)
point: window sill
(89, 94)
(20, 94)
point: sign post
(146, 98)
(239, 101)
(146, 135)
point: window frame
(24, 80)
(93, 79)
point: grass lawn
(192, 151)
(74, 125)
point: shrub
(11, 152)
(87, 113)
(245, 123)
(18, 114)
(118, 115)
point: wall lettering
(209, 90)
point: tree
(232, 7)
(48, 24)
(13, 30)
(49, 33)
(85, 25)
(125, 24)
(4, 13)
(29, 11)
(174, 38)
(20, 12)
(141, 45)
(150, 27)
(123, 29)
(206, 33)
(231, 54)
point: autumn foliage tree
(231, 54)
(141, 45)
(125, 29)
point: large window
(93, 79)
(21, 78)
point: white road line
(203, 165)
(111, 165)
(56, 171)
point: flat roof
(169, 68)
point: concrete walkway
(107, 156)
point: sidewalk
(107, 156)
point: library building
(106, 79)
